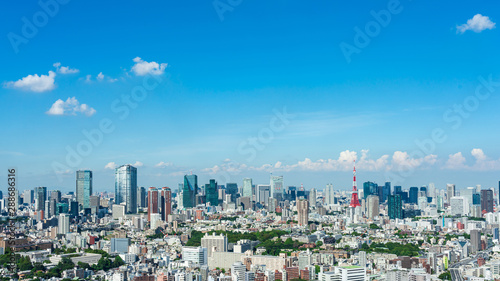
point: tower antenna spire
(354, 198)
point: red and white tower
(354, 198)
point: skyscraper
(329, 194)
(312, 197)
(475, 240)
(450, 192)
(303, 212)
(232, 189)
(413, 195)
(212, 193)
(166, 203)
(395, 207)
(264, 194)
(126, 187)
(247, 188)
(190, 189)
(141, 197)
(373, 206)
(487, 200)
(83, 188)
(63, 227)
(40, 197)
(277, 187)
(55, 195)
(153, 202)
(369, 188)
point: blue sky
(220, 82)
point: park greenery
(392, 248)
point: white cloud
(142, 68)
(34, 83)
(65, 69)
(164, 164)
(110, 166)
(455, 162)
(70, 107)
(402, 160)
(477, 24)
(100, 76)
(138, 164)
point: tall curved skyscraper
(126, 187)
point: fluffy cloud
(142, 68)
(100, 76)
(70, 107)
(481, 162)
(65, 69)
(138, 164)
(34, 83)
(164, 164)
(477, 24)
(111, 166)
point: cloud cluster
(65, 69)
(70, 107)
(34, 83)
(481, 162)
(142, 68)
(477, 24)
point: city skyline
(254, 109)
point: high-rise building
(373, 206)
(395, 207)
(153, 202)
(369, 188)
(83, 188)
(386, 191)
(126, 187)
(487, 200)
(40, 198)
(212, 193)
(312, 197)
(120, 245)
(166, 203)
(277, 187)
(247, 188)
(232, 189)
(214, 243)
(459, 206)
(450, 192)
(329, 194)
(29, 196)
(362, 258)
(190, 190)
(413, 195)
(264, 194)
(55, 195)
(63, 226)
(475, 240)
(141, 197)
(397, 189)
(303, 212)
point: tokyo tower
(354, 198)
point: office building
(277, 187)
(196, 255)
(63, 224)
(247, 188)
(475, 240)
(450, 192)
(459, 206)
(141, 197)
(395, 207)
(153, 202)
(126, 187)
(413, 196)
(312, 197)
(83, 188)
(190, 190)
(303, 212)
(120, 245)
(369, 188)
(329, 195)
(40, 198)
(487, 200)
(211, 192)
(372, 206)
(166, 203)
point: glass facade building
(126, 187)
(212, 193)
(83, 188)
(395, 206)
(190, 189)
